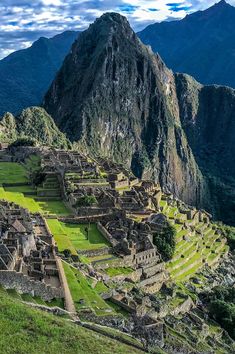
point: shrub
(224, 313)
(221, 304)
(86, 200)
(25, 141)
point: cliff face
(208, 119)
(115, 97)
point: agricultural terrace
(84, 294)
(196, 246)
(15, 187)
(76, 236)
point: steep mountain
(202, 44)
(208, 119)
(33, 122)
(26, 74)
(115, 97)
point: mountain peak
(111, 22)
(222, 3)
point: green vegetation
(222, 307)
(76, 236)
(86, 200)
(165, 242)
(12, 173)
(229, 232)
(24, 141)
(34, 125)
(112, 272)
(84, 296)
(25, 330)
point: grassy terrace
(74, 236)
(112, 272)
(195, 250)
(25, 195)
(25, 330)
(11, 172)
(84, 296)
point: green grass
(16, 195)
(26, 330)
(74, 236)
(11, 172)
(84, 296)
(112, 272)
(33, 163)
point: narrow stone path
(69, 304)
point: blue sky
(22, 22)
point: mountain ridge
(27, 74)
(191, 45)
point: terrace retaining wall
(25, 285)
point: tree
(165, 241)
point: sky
(23, 22)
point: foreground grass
(25, 330)
(74, 236)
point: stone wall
(24, 285)
(106, 234)
(145, 257)
(95, 253)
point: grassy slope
(25, 330)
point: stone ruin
(27, 253)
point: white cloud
(25, 21)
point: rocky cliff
(208, 119)
(117, 98)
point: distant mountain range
(26, 74)
(202, 44)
